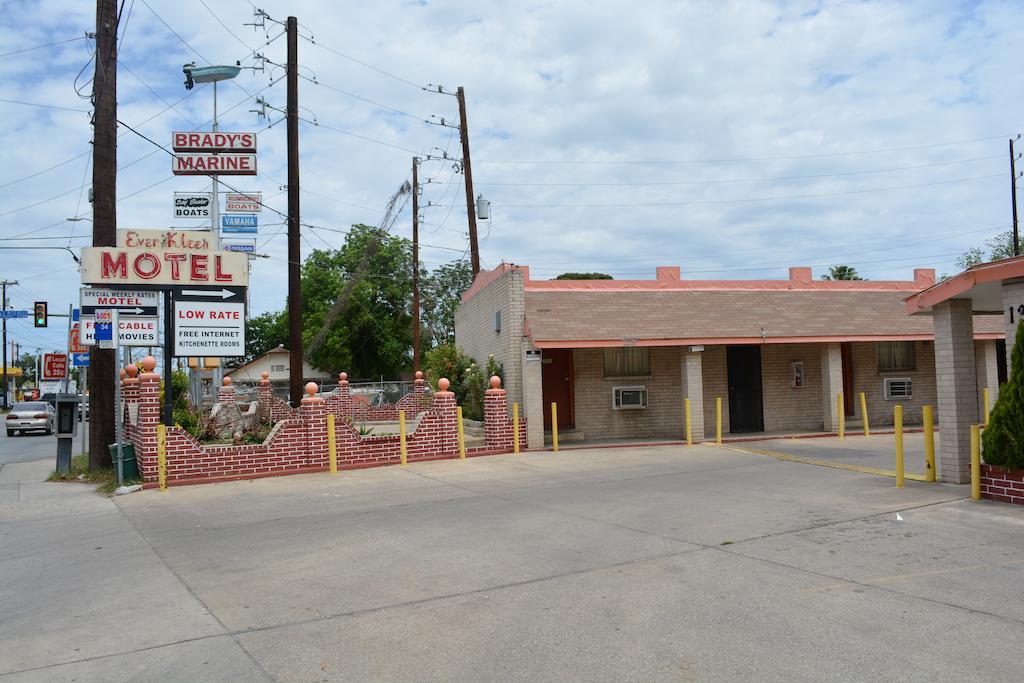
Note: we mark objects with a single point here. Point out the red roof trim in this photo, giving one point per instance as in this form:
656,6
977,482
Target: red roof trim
964,282
616,343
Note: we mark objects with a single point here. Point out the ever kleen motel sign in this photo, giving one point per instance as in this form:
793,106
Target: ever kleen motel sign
120,266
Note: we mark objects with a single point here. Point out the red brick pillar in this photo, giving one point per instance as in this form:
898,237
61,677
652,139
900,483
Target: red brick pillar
448,426
149,416
266,394
226,394
344,397
129,394
497,429
313,411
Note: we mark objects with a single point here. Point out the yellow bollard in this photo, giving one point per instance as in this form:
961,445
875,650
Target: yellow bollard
515,428
864,414
332,445
554,426
984,407
718,420
462,433
689,428
842,415
929,443
975,463
401,435
161,456
898,423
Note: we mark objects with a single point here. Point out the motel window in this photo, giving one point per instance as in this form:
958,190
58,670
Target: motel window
895,356
630,361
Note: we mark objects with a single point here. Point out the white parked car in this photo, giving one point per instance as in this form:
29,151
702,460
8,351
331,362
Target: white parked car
31,416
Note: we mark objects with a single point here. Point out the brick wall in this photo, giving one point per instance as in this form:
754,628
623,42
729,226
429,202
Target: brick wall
787,407
869,379
592,393
998,483
299,443
716,384
474,328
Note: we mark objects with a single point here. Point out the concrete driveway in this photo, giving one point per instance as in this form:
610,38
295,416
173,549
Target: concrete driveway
660,563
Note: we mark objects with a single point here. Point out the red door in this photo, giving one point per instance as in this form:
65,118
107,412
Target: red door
556,385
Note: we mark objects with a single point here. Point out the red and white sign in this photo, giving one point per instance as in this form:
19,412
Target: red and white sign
219,164
74,342
55,366
213,142
141,331
185,240
209,328
236,202
117,266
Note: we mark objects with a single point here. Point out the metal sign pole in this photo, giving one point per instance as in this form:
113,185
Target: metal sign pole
119,416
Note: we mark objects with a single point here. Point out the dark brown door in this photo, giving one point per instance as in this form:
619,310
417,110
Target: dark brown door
556,384
846,349
746,411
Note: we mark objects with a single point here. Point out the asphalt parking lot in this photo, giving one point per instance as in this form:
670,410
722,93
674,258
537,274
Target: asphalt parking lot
658,563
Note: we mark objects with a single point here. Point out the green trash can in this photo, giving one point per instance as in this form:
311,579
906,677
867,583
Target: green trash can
128,462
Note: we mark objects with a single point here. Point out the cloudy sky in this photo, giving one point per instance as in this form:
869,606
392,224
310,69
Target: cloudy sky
733,139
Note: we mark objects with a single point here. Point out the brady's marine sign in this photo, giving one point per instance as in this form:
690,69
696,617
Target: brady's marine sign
163,266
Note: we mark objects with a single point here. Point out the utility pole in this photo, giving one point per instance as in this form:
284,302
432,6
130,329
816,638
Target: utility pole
1013,200
467,170
104,220
3,285
415,264
294,246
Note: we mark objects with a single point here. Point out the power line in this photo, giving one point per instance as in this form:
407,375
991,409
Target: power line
45,106
364,64
361,137
40,47
748,199
176,35
361,98
737,159
749,180
225,26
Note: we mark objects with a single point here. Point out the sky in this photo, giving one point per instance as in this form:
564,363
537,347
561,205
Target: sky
732,139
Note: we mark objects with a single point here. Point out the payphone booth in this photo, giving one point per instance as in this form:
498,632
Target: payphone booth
67,428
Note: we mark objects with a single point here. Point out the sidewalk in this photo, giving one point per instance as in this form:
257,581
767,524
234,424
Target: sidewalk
83,592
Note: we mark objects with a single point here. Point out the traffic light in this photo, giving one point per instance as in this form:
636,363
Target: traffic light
40,317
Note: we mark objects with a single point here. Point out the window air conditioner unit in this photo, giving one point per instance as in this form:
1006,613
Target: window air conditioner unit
898,388
629,398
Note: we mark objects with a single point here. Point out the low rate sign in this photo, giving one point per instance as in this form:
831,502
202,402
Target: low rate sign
209,328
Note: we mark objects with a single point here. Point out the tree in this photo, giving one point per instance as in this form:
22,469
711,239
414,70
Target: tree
355,303
584,276
264,332
441,293
999,247
1003,438
841,273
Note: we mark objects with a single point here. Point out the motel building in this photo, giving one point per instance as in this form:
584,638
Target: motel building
619,357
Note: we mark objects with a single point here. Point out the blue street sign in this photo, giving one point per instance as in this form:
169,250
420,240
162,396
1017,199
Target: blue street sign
13,314
80,360
74,315
247,248
239,221
104,332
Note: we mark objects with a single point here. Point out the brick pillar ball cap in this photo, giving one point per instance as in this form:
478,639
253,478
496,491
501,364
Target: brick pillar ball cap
264,377
226,381
419,375
122,374
311,397
131,371
343,377
495,386
148,365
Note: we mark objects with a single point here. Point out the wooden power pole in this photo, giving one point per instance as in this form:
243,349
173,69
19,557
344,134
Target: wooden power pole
295,362
1013,200
102,362
467,169
415,264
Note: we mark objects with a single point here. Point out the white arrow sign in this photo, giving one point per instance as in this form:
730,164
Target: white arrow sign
223,294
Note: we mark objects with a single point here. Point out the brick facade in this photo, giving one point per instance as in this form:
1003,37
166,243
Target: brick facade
299,443
957,376
998,483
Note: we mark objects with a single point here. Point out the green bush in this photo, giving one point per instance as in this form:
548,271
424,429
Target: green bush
468,379
1003,439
